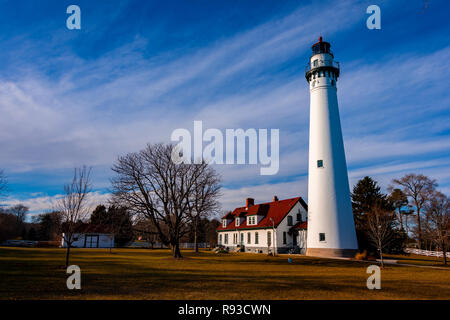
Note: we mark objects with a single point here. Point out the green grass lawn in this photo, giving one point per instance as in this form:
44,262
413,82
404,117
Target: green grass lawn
30,273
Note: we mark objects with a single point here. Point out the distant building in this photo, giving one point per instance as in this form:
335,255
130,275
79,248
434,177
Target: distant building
91,236
276,227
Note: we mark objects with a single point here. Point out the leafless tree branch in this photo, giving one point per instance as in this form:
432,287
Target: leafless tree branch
150,184
72,206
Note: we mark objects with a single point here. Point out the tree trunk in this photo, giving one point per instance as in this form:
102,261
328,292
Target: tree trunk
176,250
444,253
381,256
67,254
406,226
419,230
195,242
195,235
401,219
380,248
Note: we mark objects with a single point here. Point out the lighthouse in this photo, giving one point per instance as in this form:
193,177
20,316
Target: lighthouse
331,228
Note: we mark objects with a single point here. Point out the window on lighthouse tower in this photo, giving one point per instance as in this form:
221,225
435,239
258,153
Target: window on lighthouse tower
321,236
319,163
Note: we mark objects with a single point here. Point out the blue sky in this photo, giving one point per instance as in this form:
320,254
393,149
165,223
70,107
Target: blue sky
137,70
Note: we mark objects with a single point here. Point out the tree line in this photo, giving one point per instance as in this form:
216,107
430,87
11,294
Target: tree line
160,201
173,201
413,212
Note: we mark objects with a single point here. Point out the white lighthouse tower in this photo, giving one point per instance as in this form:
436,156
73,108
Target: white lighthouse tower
331,229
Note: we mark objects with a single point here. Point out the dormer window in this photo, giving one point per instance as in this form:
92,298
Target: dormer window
251,220
224,223
237,221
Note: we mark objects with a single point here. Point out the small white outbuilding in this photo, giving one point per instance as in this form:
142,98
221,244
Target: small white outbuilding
90,237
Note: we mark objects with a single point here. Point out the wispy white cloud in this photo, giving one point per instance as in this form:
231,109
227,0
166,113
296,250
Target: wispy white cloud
43,203
116,103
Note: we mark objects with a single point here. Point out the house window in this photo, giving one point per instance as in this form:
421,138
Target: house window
220,239
252,220
269,239
321,236
284,238
237,221
256,238
319,163
235,238
224,223
289,220
226,238
249,238
299,217
242,238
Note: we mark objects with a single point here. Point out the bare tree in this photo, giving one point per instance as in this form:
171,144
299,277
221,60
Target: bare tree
203,202
399,201
20,212
417,188
437,223
73,207
150,183
380,228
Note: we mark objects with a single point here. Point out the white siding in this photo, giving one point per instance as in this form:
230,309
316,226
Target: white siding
81,240
283,226
329,203
263,233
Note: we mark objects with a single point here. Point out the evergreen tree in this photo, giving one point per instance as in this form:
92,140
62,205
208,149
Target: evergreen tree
116,220
365,196
48,226
99,216
32,235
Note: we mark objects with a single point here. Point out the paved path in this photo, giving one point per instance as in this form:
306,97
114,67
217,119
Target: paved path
386,261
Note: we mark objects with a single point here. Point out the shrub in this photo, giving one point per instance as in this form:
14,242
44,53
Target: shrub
361,255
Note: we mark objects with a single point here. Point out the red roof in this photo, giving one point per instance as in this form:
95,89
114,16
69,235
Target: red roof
275,210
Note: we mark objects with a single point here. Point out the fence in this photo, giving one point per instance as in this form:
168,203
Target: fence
29,243
427,253
158,245
145,244
190,245
20,243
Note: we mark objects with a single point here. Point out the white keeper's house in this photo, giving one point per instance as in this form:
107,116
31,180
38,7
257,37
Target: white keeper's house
273,227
